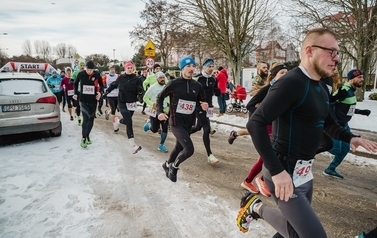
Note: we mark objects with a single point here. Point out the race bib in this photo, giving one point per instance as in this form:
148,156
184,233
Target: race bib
131,106
302,172
70,92
351,110
57,86
88,89
150,111
210,112
185,107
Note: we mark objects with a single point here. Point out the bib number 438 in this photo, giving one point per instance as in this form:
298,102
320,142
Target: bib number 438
185,107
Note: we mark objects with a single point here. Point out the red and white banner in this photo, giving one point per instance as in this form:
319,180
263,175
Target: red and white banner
21,66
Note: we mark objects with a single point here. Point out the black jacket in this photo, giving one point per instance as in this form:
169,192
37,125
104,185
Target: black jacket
129,86
184,89
89,86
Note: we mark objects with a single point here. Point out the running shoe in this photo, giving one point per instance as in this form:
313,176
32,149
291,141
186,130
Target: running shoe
332,173
232,137
71,118
63,109
142,112
116,124
83,143
135,149
363,235
162,148
107,115
166,168
250,187
263,189
212,159
79,121
212,132
100,111
147,126
246,213
88,141
172,173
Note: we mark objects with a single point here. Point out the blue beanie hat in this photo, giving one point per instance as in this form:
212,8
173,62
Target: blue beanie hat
208,62
353,74
186,60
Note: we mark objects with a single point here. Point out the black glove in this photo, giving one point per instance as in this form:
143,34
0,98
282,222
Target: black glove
365,112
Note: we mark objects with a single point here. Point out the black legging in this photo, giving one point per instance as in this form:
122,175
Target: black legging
127,119
88,114
58,96
203,122
156,124
77,105
183,148
64,99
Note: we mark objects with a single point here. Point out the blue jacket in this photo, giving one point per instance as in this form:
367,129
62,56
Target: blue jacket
54,84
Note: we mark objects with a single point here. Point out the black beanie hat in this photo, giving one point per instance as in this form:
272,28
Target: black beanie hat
90,65
156,66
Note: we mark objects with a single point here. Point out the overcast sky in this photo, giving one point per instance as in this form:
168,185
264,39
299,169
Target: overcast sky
92,26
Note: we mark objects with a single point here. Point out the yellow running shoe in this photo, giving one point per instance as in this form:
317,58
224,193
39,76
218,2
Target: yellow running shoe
246,213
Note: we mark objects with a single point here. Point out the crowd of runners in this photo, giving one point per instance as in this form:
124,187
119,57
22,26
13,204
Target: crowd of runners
281,117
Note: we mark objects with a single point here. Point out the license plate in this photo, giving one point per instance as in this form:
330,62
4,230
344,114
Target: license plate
16,108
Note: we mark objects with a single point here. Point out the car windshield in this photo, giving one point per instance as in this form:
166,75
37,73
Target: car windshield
21,87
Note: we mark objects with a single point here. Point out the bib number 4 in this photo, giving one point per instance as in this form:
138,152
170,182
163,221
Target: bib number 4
302,172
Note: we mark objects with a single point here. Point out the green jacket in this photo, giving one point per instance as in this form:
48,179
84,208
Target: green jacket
149,81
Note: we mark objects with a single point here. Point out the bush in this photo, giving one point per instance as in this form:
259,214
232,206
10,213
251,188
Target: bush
373,96
368,87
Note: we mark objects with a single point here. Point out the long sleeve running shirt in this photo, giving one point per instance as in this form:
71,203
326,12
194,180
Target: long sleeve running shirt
129,86
185,96
298,108
88,85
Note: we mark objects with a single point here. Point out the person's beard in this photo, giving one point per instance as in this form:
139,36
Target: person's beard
161,82
263,74
322,73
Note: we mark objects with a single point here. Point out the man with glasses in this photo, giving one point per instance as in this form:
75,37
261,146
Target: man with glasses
298,122
89,84
344,107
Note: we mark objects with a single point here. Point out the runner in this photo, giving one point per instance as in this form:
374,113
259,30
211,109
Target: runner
89,83
151,79
185,96
209,85
298,123
64,98
344,107
53,83
153,123
77,99
68,84
130,87
112,97
277,71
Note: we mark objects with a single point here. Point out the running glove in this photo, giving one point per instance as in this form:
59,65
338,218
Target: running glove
365,112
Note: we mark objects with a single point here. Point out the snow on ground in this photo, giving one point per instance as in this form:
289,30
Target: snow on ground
54,188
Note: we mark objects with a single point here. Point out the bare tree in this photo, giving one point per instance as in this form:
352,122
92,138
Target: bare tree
98,59
46,50
26,48
233,26
61,50
354,21
38,48
160,18
71,51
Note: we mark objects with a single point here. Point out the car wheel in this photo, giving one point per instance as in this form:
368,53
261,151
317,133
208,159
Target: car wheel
56,131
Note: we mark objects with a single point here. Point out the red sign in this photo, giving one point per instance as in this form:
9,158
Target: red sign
149,62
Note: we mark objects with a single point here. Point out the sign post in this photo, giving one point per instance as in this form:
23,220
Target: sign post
149,53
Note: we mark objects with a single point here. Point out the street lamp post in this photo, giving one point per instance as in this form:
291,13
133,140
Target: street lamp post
114,55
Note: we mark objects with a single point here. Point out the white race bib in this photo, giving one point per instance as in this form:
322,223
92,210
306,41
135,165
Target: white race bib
57,86
151,112
210,112
131,106
71,92
185,107
351,110
303,172
88,89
